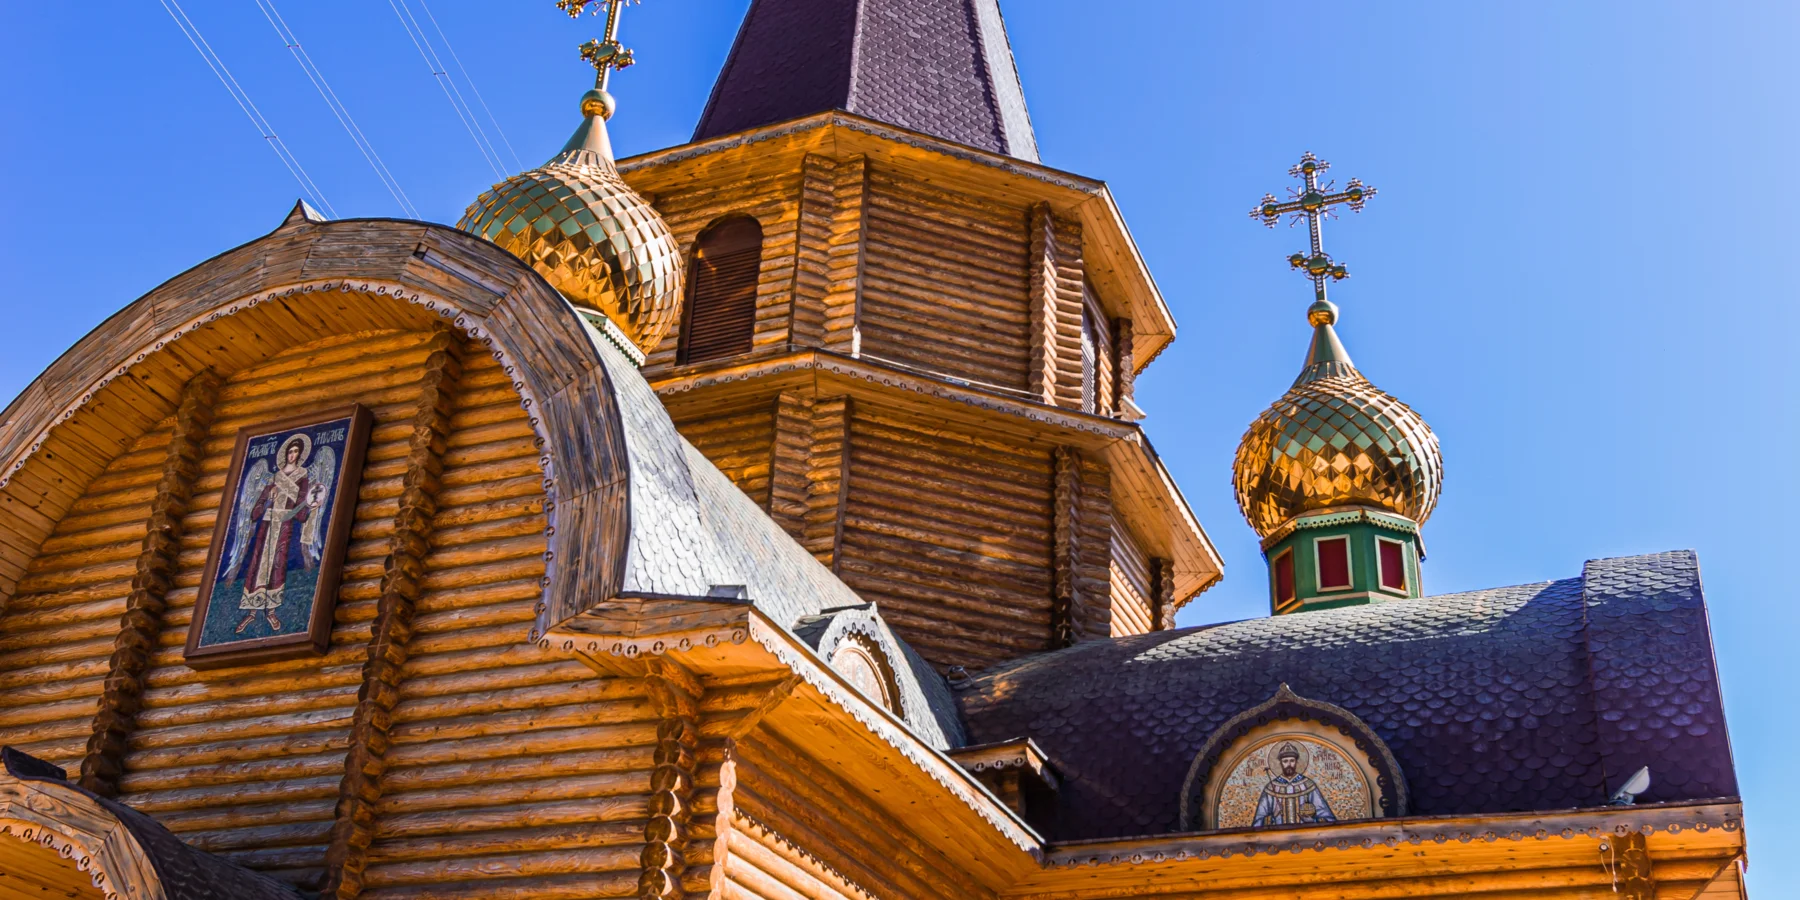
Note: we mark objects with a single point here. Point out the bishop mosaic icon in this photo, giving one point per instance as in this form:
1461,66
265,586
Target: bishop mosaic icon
1289,797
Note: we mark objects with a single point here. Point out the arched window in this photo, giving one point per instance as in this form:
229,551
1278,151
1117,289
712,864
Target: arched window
721,303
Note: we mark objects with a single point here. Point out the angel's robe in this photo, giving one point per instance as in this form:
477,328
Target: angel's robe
276,517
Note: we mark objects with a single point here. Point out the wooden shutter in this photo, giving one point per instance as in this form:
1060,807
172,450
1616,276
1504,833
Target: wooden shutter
721,307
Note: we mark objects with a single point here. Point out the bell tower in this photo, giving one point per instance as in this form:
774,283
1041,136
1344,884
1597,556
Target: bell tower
1337,476
913,344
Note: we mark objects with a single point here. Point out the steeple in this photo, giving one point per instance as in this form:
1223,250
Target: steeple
1337,475
942,67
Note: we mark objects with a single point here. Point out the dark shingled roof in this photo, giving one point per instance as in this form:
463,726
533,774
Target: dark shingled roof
1537,697
185,873
942,67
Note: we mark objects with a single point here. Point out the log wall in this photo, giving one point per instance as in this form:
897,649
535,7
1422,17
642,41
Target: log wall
944,283
503,770
57,633
800,830
950,533
739,443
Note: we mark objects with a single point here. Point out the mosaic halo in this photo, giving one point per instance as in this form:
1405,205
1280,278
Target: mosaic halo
1336,440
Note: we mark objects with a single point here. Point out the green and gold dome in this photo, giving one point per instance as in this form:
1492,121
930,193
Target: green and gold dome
1334,440
576,222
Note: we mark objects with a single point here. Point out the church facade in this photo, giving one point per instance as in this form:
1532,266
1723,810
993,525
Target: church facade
771,517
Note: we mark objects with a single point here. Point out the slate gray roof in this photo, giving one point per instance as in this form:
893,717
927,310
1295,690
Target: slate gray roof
185,873
943,67
692,529
1537,697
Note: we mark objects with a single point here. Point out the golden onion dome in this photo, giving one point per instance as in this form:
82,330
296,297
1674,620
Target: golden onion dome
576,222
1335,440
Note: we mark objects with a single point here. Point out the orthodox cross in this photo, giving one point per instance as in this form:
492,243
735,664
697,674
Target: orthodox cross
606,55
1313,202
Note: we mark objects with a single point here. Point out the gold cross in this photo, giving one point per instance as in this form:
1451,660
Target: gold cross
606,54
1313,202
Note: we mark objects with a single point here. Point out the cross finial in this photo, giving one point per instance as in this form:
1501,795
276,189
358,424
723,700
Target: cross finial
606,54
1313,202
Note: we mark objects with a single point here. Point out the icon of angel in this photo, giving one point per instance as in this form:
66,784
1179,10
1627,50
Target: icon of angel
277,523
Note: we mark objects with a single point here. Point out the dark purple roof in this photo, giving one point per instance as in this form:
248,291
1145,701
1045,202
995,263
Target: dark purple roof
1538,697
942,67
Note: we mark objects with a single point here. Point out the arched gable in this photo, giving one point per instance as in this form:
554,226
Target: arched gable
1246,749
314,278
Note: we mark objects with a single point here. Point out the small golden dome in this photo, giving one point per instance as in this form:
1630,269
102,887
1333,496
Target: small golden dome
576,222
1335,440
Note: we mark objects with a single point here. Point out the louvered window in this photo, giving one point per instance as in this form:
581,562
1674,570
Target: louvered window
721,302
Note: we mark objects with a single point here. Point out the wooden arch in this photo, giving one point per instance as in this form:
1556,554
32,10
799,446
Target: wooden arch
312,278
1389,781
88,851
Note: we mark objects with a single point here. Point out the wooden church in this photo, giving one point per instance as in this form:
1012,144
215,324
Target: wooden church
770,517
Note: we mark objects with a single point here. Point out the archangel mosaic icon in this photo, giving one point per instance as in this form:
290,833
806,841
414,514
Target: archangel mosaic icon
272,570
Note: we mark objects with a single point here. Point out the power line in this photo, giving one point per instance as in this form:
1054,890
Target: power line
283,31
192,32
422,42
472,88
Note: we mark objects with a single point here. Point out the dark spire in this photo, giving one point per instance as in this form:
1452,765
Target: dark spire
942,67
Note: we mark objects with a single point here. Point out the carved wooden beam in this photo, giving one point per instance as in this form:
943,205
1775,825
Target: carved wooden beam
809,471
1093,551
675,692
1054,302
1162,593
122,696
1065,600
789,455
1040,376
812,251
1627,857
844,257
1123,379
402,579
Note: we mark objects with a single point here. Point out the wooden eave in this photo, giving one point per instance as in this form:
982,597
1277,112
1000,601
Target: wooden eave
1689,844
1143,490
1112,258
815,708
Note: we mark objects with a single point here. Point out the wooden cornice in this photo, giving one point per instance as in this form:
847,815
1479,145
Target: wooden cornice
1693,841
1115,264
1143,489
730,639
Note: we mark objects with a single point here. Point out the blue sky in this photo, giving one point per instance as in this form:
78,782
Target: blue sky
1574,268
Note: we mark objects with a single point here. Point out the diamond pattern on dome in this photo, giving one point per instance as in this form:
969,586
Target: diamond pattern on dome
1333,441
594,239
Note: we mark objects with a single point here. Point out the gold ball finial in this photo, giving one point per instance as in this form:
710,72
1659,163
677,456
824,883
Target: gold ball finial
1322,312
597,102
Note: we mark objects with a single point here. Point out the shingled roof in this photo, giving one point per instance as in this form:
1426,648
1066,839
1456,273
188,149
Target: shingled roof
942,67
1538,697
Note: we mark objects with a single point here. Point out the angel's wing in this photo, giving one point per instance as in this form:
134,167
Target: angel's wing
322,474
255,479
